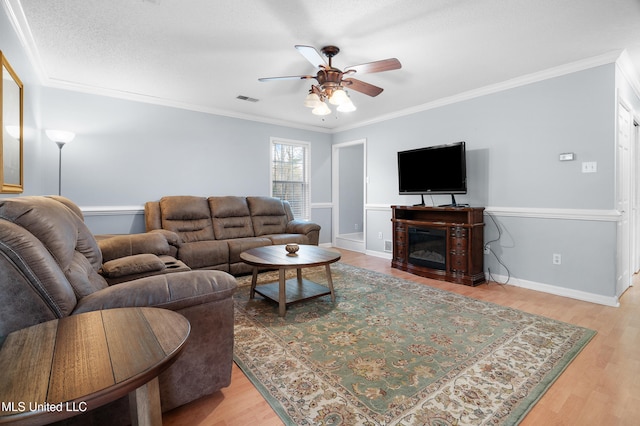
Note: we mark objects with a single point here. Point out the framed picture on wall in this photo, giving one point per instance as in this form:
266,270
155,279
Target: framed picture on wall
11,137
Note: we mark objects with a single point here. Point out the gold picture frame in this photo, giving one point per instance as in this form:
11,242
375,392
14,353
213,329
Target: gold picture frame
11,136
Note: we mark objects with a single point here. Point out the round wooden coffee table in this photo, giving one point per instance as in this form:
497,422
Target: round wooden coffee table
285,292
58,369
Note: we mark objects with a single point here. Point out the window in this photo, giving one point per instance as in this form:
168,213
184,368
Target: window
290,175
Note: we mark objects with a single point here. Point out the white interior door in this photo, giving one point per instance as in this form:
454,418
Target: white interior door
623,196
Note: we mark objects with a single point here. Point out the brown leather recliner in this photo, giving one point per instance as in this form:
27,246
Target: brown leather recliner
50,266
210,233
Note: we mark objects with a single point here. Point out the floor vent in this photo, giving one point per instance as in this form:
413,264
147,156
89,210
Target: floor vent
387,246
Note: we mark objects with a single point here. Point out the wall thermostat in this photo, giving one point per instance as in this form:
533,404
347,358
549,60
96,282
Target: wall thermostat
567,156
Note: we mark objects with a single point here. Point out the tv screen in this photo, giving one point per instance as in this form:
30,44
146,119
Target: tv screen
440,169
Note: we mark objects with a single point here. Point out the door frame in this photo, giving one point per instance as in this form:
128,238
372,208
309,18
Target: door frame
624,189
335,192
635,195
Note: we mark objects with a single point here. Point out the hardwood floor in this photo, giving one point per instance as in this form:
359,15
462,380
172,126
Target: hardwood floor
600,387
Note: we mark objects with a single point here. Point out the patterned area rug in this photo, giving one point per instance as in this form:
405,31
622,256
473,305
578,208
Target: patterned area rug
395,352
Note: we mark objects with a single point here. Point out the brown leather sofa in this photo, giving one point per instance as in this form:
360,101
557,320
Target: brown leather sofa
210,233
50,267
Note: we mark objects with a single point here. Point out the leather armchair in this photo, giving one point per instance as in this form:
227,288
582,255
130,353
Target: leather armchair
50,267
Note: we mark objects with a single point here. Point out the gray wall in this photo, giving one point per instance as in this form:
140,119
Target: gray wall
133,152
513,140
126,153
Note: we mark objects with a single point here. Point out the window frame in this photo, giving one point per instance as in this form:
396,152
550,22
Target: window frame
306,182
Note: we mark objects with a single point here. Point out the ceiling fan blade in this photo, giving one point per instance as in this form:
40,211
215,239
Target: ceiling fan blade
361,86
289,77
376,66
312,55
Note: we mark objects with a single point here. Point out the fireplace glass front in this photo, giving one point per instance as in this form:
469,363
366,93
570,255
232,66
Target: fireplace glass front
428,247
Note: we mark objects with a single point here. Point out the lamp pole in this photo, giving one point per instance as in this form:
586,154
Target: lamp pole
60,137
60,146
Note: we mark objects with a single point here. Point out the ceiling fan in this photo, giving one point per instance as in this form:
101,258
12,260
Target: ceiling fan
332,81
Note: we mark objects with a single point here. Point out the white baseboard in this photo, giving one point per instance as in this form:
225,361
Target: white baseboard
532,285
383,255
348,244
559,291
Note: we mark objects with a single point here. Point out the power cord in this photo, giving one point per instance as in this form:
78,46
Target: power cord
487,246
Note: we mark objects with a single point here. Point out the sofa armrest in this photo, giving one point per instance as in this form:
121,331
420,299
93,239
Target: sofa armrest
170,291
129,245
301,227
172,238
309,229
131,265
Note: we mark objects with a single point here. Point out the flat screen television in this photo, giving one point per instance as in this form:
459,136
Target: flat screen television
440,169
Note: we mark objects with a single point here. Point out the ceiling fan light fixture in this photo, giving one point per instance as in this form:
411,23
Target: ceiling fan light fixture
321,109
331,82
338,97
312,100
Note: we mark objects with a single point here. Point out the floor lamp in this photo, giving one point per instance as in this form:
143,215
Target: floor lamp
60,137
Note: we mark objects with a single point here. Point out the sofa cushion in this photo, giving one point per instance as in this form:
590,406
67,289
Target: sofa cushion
187,216
278,239
83,278
238,245
268,215
231,217
205,254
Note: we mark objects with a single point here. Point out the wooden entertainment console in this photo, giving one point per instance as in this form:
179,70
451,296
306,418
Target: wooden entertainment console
444,243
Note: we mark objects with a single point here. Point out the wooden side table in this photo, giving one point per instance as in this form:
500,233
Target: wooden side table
61,368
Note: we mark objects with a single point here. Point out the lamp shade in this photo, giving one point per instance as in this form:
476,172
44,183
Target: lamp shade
60,135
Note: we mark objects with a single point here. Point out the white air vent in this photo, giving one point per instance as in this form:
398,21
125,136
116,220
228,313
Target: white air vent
246,98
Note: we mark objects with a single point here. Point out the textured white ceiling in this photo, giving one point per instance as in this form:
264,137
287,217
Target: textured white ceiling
202,54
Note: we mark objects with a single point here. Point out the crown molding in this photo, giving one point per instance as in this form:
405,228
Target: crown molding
18,20
559,71
625,65
138,97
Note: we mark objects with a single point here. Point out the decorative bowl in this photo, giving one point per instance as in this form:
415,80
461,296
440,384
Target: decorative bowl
292,249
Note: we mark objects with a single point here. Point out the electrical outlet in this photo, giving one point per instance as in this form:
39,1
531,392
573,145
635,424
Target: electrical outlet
557,259
590,167
380,235
487,249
